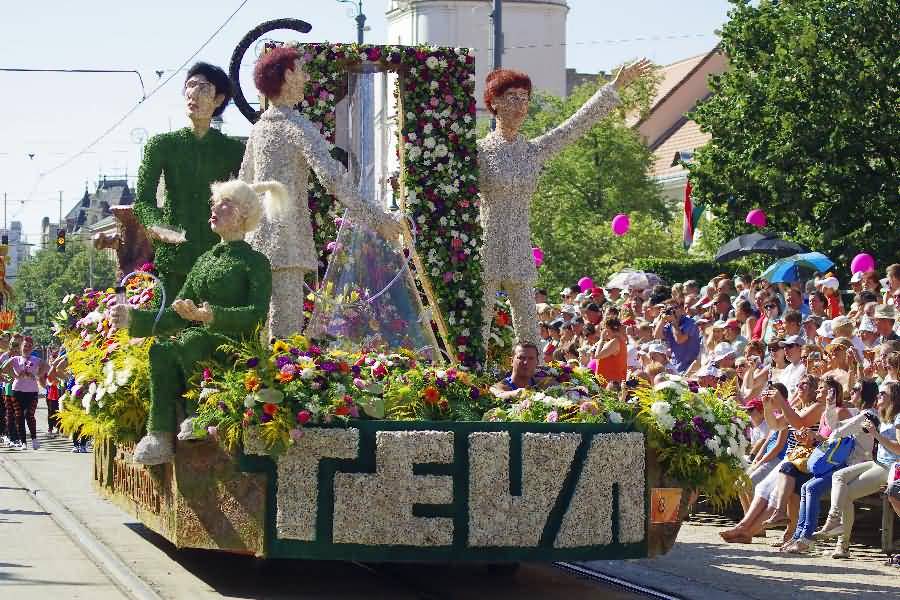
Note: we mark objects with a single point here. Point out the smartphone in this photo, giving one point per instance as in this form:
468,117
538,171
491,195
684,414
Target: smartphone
874,420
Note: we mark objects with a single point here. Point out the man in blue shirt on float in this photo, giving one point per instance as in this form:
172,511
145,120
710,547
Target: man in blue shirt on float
680,333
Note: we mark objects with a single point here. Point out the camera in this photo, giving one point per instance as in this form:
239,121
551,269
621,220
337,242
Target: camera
873,419
631,383
669,311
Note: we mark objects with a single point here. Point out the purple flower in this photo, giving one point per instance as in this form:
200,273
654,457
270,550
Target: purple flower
222,406
356,369
328,366
553,416
295,351
264,418
282,360
474,393
252,362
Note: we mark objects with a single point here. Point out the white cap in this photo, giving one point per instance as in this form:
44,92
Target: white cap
867,324
657,347
829,282
825,330
709,371
857,277
723,350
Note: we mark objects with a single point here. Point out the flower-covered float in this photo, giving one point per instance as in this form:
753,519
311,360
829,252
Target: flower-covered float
308,448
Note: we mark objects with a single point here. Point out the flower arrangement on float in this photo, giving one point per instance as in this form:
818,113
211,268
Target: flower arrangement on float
107,395
439,164
699,436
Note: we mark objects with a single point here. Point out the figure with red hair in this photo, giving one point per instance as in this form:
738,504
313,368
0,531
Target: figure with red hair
509,168
283,146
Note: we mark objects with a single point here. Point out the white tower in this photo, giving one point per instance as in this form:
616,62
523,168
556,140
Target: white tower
534,32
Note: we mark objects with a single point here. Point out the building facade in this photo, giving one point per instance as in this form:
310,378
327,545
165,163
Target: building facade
19,250
534,35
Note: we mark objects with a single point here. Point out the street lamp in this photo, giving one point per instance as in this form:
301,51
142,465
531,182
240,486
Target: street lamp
360,18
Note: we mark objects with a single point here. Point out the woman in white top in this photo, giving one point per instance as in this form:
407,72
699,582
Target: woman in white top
867,477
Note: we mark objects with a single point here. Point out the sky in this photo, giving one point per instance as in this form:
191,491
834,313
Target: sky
47,119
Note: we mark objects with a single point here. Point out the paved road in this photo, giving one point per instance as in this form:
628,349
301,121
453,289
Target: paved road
38,560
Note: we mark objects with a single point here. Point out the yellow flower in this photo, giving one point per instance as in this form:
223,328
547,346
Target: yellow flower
251,381
280,347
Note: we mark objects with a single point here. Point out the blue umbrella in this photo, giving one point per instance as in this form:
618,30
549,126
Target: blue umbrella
787,270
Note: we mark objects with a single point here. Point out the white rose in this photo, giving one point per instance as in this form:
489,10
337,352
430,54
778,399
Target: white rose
432,62
615,417
430,142
441,150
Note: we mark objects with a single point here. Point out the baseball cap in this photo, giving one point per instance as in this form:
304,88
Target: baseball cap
885,311
825,330
752,404
867,324
857,277
657,347
792,340
724,350
720,324
733,324
709,371
829,282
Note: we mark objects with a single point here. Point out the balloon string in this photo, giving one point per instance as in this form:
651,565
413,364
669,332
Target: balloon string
384,290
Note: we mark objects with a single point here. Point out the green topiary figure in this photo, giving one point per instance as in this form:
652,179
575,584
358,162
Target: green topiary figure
189,160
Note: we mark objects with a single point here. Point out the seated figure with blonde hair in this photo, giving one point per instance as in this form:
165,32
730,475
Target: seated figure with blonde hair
225,297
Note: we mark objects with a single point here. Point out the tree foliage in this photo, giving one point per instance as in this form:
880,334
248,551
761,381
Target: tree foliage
806,124
604,173
49,276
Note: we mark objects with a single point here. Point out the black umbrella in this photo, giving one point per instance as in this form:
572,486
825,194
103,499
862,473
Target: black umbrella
757,243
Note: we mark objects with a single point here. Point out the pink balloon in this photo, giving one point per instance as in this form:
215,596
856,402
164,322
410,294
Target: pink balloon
756,217
621,224
585,283
862,262
538,255
592,364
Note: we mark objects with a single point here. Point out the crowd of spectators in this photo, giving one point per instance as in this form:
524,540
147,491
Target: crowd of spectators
812,366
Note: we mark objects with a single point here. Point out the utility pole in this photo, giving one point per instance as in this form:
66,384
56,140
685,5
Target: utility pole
497,16
4,211
59,223
360,24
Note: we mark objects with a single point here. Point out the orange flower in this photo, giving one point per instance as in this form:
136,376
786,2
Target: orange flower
342,411
431,395
251,381
502,319
283,377
343,367
270,409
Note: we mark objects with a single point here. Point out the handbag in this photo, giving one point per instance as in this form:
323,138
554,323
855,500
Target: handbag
893,481
830,455
798,457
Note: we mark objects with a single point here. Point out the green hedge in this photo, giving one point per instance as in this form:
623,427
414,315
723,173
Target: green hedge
675,270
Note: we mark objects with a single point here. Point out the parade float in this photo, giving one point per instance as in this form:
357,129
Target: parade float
355,442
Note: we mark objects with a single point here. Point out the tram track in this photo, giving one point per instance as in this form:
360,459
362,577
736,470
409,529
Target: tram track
634,588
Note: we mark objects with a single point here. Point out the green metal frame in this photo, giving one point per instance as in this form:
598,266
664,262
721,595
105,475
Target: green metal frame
324,549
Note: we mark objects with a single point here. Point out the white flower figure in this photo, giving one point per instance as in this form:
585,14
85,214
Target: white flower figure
615,417
432,62
660,408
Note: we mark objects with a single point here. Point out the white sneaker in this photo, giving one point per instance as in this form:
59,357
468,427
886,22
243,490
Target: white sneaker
35,444
155,448
21,446
187,430
76,449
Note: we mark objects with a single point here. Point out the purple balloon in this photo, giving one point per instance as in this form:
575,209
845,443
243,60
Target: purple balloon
538,255
592,364
585,283
862,262
756,217
621,224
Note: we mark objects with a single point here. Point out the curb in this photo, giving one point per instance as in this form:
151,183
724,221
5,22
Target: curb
111,565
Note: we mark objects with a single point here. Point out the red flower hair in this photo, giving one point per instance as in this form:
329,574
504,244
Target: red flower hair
268,74
500,80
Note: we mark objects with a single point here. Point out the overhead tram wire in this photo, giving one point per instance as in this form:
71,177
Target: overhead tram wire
131,111
24,70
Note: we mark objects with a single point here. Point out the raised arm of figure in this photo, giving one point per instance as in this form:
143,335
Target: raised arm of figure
591,112
337,182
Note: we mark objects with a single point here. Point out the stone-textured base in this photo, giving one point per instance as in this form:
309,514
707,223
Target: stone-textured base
201,500
382,490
